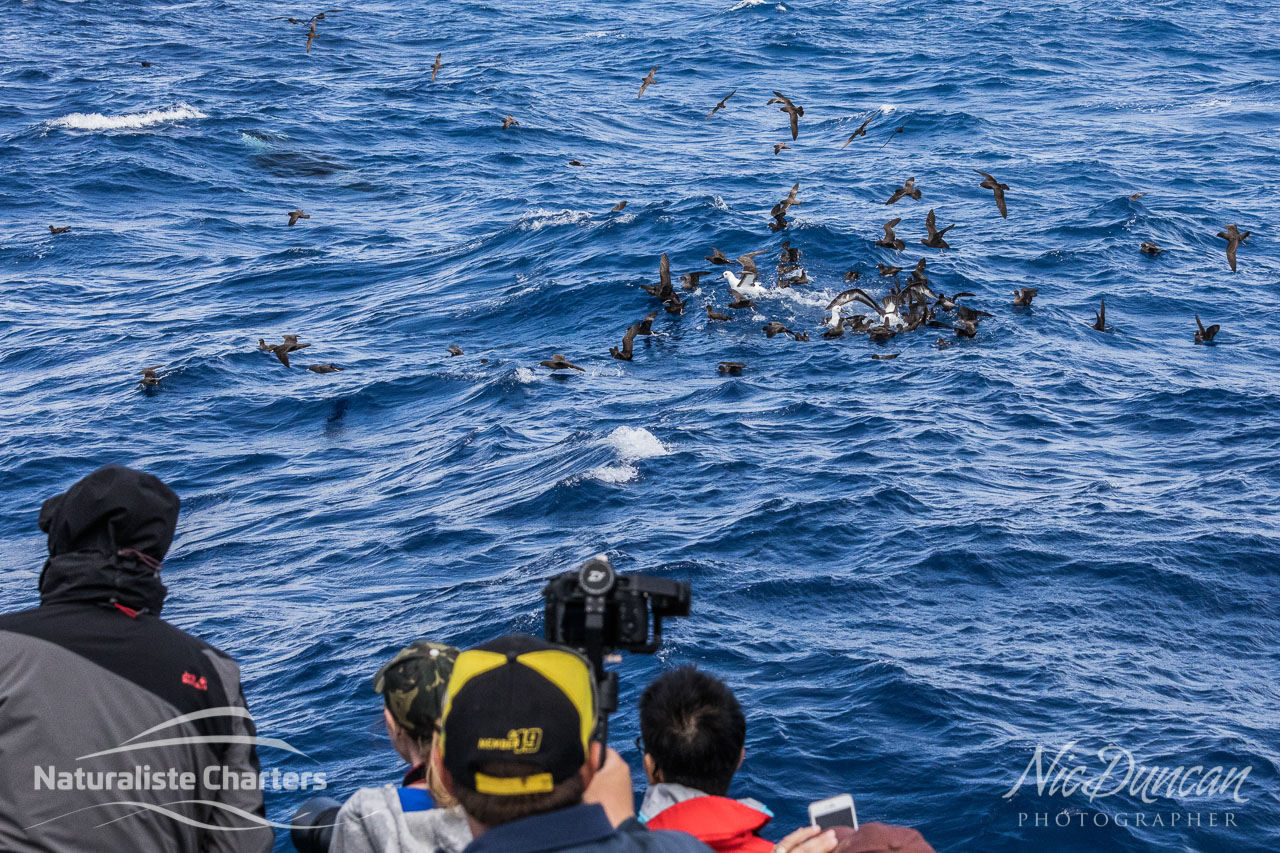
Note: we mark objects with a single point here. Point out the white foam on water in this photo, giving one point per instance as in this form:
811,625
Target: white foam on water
525,375
536,220
885,109
127,121
631,444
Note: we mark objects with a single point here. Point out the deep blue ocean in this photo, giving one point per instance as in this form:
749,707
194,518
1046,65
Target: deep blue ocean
914,572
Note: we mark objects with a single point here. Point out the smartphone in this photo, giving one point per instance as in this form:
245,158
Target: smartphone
835,811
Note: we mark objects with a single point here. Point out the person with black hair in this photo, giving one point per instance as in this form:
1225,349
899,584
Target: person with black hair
693,733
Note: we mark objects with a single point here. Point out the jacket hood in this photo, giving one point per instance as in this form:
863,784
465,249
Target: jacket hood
107,536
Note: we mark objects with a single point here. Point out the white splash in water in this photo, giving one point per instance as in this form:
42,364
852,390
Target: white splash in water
536,220
631,444
127,121
525,375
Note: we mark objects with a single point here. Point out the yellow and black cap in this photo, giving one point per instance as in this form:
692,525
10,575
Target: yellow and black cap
522,702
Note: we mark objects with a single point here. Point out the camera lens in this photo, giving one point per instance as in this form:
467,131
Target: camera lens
597,577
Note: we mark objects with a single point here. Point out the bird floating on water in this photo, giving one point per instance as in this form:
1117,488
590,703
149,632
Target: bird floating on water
1149,248
150,379
54,229
1203,335
325,368
1100,317
733,368
1022,296
455,350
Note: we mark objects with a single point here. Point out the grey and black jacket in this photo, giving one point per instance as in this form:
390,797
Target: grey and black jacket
118,731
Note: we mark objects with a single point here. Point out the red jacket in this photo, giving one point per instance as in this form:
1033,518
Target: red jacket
724,825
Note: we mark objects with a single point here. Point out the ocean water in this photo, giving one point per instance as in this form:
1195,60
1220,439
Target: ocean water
914,572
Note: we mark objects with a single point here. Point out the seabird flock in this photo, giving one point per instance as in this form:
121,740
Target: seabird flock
904,308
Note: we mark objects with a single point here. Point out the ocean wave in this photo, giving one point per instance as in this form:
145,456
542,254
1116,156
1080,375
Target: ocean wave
127,121
631,444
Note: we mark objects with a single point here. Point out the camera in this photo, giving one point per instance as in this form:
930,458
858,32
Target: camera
598,612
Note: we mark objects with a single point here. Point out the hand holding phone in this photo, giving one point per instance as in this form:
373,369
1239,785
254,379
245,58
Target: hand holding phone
834,811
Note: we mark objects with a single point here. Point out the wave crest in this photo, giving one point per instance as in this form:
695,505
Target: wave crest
127,121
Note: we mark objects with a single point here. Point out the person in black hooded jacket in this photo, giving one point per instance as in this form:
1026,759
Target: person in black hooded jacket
118,731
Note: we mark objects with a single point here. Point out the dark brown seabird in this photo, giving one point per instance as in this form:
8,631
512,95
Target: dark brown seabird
793,112
988,182
1234,238
644,84
733,368
861,131
908,188
1150,248
559,362
325,368
934,240
295,215
720,105
1100,317
455,350
1203,335
436,66
1022,296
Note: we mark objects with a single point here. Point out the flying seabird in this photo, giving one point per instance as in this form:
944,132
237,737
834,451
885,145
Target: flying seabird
716,315
887,270
775,328
645,326
720,106
628,341
793,112
891,240
510,121
934,240
778,147
1136,196
54,229
617,207
282,350
1100,317
663,289
1150,248
1234,238
988,182
1203,335
900,129
436,66
689,280
295,215
559,362
733,368
644,84
861,131
908,188
150,380
454,350
325,368
1023,295
739,300
917,274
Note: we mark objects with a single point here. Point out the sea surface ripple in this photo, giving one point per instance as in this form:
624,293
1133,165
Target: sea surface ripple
914,572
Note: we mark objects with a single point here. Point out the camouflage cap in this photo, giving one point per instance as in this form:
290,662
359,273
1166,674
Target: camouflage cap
413,685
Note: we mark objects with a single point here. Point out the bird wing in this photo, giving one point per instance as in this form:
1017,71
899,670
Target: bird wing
795,123
1004,211
747,262
855,294
931,222
1231,253
664,272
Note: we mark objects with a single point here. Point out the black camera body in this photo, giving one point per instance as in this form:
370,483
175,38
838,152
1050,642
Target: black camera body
598,611
620,605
